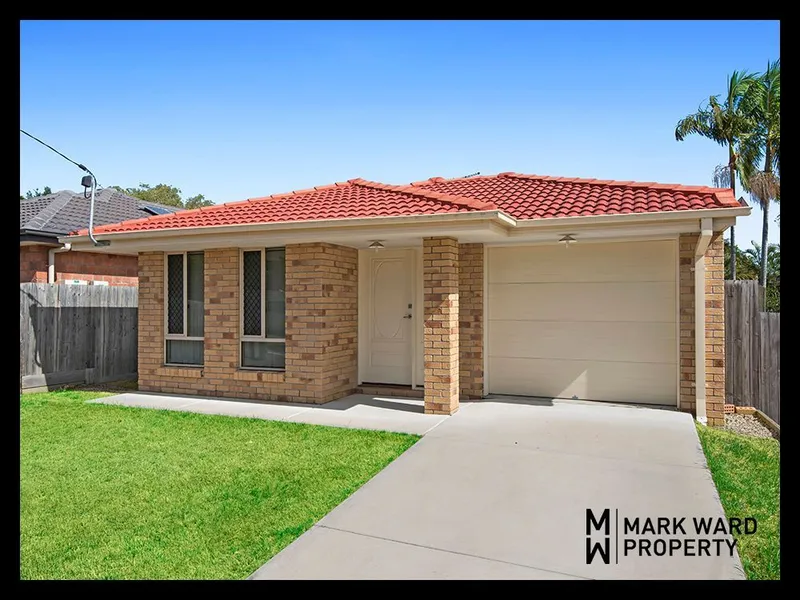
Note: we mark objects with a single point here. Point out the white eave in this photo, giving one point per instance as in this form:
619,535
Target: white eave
492,226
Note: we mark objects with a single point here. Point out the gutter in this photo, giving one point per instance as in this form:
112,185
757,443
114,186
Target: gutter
499,216
51,261
706,231
672,215
483,215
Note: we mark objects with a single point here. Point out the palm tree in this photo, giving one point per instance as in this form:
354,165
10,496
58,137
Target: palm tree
763,103
746,266
772,267
727,124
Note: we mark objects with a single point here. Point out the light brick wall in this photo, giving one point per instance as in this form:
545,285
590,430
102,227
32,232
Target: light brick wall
321,329
440,287
151,320
116,269
715,331
321,321
470,319
715,327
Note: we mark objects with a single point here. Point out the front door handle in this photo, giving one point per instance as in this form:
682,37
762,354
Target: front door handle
407,317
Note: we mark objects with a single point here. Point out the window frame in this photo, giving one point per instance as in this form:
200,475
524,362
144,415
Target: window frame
180,336
261,337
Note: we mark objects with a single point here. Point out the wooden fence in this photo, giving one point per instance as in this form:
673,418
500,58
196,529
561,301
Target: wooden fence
752,349
76,333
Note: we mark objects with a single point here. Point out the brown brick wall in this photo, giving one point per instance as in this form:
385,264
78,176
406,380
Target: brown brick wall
321,329
33,263
440,286
116,269
470,319
715,327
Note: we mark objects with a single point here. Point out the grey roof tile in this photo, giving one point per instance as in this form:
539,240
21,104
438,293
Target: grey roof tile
67,211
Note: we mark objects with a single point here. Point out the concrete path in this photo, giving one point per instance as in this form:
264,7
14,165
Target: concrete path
500,491
358,411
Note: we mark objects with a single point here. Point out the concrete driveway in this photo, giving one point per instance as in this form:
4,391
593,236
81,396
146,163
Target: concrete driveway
501,490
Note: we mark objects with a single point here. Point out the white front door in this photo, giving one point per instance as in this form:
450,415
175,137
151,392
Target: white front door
390,317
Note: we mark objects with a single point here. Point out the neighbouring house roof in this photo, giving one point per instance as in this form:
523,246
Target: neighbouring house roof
65,211
523,197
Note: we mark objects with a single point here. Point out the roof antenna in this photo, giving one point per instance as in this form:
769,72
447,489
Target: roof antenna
471,174
87,181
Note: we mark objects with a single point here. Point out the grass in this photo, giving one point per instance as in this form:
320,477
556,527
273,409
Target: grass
113,492
746,471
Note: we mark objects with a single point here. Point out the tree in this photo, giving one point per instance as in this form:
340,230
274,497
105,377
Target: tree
763,104
165,194
161,194
35,193
749,262
747,269
772,267
725,123
197,202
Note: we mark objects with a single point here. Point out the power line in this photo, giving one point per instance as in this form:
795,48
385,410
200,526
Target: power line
61,154
92,184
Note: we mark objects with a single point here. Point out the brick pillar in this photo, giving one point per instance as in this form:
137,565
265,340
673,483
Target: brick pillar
221,318
714,330
470,319
151,319
321,321
440,286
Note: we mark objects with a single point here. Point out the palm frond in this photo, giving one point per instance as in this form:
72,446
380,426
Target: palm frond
764,187
722,176
700,123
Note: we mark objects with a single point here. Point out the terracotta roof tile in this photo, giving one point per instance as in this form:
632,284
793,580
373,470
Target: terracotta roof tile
520,196
538,196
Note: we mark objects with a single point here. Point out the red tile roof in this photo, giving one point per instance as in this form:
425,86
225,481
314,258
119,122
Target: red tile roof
520,196
542,197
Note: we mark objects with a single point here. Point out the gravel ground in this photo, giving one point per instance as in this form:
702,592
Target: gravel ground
746,425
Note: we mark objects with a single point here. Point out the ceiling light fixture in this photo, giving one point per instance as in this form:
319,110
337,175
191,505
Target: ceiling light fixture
376,245
567,240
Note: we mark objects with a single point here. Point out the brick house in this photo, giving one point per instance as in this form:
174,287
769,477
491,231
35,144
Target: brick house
458,288
42,220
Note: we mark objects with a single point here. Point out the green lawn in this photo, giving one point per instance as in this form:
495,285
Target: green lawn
124,493
746,471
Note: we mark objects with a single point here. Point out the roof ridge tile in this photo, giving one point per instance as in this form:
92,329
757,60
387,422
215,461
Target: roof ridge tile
425,193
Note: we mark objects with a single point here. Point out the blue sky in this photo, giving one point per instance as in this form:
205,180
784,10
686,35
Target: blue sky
236,109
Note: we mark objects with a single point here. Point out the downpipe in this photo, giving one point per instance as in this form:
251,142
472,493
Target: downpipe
51,261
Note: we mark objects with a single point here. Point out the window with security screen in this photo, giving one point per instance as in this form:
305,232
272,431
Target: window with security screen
184,309
264,308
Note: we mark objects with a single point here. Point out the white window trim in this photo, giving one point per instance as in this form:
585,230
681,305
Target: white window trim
179,336
256,338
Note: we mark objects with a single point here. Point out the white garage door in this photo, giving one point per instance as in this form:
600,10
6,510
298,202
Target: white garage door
592,321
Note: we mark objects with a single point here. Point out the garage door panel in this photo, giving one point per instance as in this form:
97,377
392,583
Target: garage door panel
642,261
608,341
592,321
648,383
601,301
